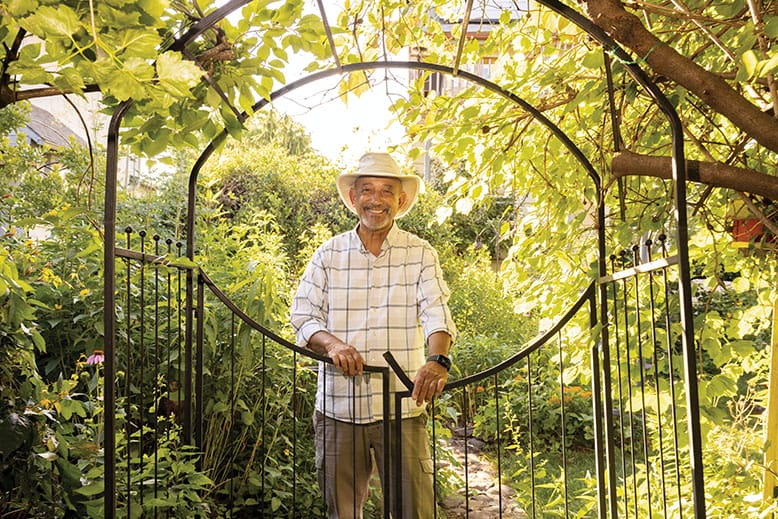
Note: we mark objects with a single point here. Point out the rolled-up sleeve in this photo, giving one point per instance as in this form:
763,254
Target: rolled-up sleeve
309,306
433,295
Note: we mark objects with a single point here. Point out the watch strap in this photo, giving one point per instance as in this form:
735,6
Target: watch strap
440,359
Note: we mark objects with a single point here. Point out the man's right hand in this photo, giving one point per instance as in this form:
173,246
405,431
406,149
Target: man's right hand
346,358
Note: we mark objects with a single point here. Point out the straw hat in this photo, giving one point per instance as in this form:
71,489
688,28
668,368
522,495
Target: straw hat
379,165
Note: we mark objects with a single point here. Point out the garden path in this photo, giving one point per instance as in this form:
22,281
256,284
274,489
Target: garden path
484,502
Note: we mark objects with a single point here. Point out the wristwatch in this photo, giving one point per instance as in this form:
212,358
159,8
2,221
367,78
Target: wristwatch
440,359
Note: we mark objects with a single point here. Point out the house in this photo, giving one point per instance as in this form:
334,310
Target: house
484,16
56,124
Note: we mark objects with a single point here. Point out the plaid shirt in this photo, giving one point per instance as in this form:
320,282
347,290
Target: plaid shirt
391,302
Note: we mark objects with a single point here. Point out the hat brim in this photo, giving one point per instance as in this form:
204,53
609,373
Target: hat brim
411,184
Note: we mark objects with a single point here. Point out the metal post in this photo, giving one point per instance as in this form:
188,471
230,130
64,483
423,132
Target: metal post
109,309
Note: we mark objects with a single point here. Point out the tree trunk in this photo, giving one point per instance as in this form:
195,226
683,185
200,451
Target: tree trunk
627,29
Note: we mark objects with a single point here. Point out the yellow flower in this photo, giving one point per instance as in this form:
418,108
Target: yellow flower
84,292
48,276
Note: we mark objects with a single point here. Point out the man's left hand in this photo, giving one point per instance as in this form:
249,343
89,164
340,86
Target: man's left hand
429,382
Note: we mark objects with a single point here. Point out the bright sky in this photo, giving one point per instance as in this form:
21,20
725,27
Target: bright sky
340,131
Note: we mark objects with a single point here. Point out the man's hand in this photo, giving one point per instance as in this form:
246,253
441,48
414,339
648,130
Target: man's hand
429,382
346,357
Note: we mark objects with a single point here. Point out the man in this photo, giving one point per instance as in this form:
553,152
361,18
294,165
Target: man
367,291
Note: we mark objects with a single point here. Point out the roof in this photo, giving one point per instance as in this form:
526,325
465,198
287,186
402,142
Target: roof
44,128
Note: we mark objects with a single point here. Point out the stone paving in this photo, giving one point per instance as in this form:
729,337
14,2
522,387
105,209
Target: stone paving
484,501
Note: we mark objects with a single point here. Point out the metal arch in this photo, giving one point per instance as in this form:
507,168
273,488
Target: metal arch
207,22
360,66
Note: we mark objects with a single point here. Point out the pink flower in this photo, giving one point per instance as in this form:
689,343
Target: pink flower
97,357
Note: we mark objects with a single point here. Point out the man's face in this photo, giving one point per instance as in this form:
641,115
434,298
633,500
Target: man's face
377,200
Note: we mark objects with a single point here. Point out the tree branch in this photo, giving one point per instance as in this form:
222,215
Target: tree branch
9,96
714,174
627,29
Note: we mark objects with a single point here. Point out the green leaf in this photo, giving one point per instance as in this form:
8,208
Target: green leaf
29,74
155,8
38,341
741,284
180,261
29,53
126,83
19,8
91,489
505,228
593,59
50,21
12,436
200,480
138,69
69,78
769,66
176,75
750,62
721,385
729,9
142,43
116,17
742,347
771,26
157,502
70,474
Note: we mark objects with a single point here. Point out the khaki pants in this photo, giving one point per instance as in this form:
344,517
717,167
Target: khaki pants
345,463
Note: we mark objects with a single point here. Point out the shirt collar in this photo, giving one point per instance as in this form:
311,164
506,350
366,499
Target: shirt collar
390,240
